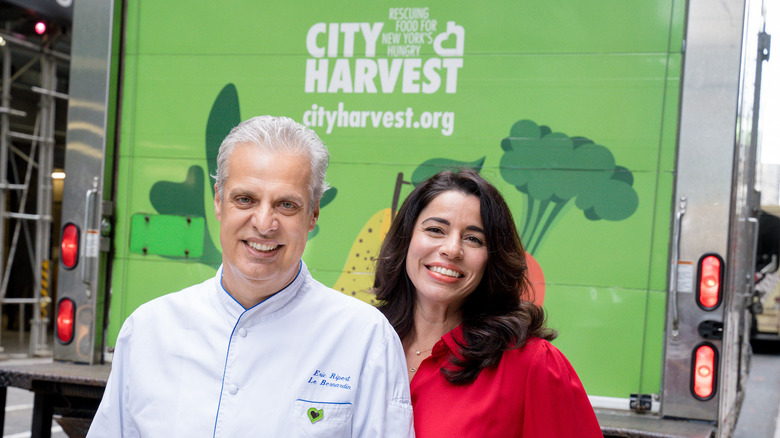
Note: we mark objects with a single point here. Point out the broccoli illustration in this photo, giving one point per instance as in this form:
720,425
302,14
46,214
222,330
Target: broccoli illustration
553,168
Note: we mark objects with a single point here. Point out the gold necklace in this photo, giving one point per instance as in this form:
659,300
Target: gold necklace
419,352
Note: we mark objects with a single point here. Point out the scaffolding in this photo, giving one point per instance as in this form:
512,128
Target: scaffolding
33,146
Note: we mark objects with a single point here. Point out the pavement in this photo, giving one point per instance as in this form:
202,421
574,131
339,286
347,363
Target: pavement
18,416
760,413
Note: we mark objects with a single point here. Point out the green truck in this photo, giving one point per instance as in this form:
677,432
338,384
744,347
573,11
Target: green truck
622,134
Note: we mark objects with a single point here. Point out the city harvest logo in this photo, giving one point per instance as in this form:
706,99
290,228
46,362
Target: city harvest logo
392,55
411,53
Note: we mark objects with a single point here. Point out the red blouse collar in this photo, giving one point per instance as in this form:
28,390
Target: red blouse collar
450,343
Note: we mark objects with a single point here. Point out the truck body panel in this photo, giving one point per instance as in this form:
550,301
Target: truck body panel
564,67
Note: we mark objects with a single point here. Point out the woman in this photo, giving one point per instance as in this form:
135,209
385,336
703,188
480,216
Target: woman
477,351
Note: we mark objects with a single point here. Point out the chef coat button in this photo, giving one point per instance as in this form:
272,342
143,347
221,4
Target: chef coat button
232,389
242,332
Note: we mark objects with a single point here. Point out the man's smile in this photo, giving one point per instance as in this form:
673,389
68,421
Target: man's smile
261,246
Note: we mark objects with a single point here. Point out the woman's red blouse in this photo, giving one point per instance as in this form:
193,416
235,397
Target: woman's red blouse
533,392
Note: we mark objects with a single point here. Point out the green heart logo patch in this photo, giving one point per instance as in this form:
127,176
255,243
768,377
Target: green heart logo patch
315,415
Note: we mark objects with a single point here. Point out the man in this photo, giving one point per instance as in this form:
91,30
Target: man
262,349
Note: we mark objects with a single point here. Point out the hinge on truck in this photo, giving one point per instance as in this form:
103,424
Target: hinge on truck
107,211
764,43
641,402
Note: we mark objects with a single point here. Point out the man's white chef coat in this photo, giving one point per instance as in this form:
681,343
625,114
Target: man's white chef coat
307,361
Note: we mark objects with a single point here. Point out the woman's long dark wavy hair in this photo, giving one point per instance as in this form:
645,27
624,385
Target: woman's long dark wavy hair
498,314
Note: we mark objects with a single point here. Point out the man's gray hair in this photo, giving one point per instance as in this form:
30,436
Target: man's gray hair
278,134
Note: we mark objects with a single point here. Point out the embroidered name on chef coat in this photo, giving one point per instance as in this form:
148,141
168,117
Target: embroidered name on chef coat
333,380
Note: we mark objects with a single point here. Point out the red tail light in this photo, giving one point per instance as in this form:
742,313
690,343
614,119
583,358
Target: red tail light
69,246
66,313
40,27
710,282
705,363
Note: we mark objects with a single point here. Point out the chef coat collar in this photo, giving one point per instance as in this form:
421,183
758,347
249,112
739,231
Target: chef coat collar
270,304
